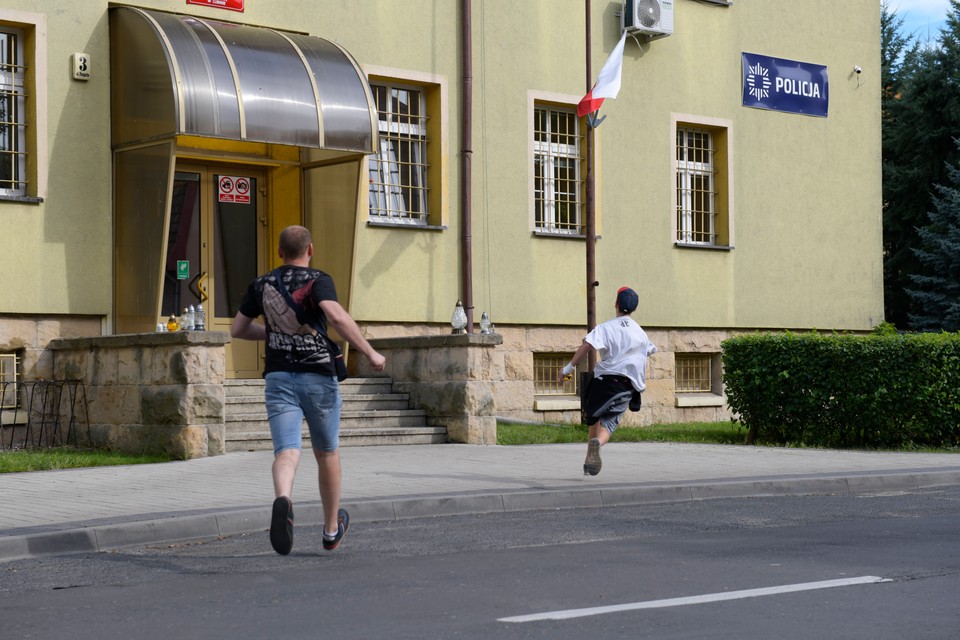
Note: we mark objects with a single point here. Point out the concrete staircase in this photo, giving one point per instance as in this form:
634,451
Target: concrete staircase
372,415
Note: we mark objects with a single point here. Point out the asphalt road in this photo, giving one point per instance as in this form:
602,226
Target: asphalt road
878,567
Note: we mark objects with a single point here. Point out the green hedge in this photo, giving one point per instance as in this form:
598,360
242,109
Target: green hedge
881,390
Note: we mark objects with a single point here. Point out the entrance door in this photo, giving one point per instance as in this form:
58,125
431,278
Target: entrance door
215,247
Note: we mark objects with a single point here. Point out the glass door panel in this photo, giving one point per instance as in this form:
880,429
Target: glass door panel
215,247
235,252
183,245
237,257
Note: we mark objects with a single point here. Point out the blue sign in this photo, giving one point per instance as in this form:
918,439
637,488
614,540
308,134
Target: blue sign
785,85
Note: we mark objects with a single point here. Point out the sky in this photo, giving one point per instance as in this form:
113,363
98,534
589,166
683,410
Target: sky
921,17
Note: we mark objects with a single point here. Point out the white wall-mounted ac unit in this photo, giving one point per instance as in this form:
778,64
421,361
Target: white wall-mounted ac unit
648,17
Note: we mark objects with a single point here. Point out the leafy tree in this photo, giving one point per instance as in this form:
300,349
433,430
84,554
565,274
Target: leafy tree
936,291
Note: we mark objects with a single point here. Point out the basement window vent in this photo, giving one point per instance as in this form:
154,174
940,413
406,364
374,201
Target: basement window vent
9,377
694,373
697,380
546,375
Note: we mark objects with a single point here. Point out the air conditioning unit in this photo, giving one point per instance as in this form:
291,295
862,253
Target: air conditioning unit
648,17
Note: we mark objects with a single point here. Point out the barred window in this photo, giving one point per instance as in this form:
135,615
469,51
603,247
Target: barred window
546,375
398,173
13,160
693,373
556,158
703,198
696,192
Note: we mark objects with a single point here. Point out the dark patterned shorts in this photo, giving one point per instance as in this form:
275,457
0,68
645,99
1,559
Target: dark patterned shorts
608,398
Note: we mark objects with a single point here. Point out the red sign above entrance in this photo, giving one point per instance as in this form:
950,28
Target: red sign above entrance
232,5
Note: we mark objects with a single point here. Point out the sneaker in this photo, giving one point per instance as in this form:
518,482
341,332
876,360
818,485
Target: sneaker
593,463
281,526
343,523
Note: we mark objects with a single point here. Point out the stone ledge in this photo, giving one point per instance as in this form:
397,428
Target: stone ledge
709,400
208,338
451,340
557,404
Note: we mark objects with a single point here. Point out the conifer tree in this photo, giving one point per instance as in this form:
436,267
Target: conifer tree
921,115
935,289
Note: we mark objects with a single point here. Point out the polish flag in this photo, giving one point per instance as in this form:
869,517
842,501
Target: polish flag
608,82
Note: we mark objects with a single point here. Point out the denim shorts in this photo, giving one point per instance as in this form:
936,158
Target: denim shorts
291,397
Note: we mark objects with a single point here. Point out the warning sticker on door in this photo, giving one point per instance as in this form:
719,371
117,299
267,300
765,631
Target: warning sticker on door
233,189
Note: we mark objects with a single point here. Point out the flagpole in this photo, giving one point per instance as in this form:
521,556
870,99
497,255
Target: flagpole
590,230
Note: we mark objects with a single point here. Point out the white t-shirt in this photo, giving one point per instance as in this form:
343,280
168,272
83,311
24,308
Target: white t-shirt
623,347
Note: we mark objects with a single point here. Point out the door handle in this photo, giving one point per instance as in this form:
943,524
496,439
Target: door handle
198,286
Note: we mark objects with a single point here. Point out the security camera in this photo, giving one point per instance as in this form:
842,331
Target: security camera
857,70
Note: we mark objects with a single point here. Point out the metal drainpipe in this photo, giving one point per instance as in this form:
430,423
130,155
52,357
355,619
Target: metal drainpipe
467,158
590,231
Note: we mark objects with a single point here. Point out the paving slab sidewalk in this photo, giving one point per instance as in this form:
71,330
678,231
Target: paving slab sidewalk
103,508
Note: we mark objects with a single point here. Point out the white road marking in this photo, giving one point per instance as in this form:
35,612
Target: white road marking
709,597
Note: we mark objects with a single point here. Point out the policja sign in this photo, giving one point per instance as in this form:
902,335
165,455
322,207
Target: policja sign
785,85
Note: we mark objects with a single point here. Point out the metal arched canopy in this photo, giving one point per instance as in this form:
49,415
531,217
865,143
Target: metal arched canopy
176,74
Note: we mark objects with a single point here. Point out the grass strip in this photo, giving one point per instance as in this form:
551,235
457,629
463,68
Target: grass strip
51,459
510,433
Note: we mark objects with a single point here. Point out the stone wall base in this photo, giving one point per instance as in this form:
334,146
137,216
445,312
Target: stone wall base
179,442
155,393
28,337
505,371
449,377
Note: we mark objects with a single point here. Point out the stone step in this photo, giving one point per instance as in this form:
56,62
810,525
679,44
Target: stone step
254,386
385,419
357,436
354,401
372,414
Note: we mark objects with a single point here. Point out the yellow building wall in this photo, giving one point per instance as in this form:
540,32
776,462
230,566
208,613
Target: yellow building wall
56,255
807,191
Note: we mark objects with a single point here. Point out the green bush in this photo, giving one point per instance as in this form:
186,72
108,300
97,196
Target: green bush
882,390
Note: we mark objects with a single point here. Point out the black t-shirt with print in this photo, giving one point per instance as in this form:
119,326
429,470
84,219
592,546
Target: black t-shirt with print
291,345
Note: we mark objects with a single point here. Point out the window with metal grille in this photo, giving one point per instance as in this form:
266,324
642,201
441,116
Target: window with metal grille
13,157
693,373
398,173
546,375
9,393
696,190
556,170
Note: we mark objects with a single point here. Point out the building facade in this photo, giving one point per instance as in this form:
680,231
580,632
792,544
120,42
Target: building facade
153,151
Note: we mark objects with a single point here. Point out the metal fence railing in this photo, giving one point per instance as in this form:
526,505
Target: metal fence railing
45,414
